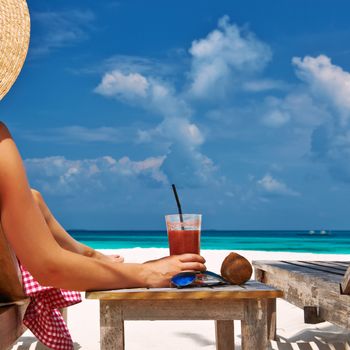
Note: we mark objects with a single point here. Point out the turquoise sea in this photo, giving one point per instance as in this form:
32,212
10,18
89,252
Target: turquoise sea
325,242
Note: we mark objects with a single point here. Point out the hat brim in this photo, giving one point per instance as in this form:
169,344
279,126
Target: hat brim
14,41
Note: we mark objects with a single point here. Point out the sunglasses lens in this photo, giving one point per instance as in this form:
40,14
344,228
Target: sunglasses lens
183,279
197,279
208,278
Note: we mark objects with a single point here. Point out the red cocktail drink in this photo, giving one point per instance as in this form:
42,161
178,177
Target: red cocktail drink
184,241
184,233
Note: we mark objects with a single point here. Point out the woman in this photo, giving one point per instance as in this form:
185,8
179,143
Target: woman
40,243
52,256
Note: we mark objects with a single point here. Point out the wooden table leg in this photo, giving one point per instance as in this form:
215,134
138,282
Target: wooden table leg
224,334
111,326
271,319
254,325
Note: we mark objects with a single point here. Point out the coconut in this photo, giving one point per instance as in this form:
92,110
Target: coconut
236,269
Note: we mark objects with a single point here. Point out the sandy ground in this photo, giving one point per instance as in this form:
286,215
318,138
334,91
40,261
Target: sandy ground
83,319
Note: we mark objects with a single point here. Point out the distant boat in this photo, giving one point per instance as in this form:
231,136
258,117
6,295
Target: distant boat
315,233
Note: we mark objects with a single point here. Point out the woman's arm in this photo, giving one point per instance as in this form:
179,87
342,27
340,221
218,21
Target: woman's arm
30,237
63,238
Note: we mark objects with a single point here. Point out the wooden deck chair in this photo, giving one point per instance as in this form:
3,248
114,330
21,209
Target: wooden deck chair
13,301
321,288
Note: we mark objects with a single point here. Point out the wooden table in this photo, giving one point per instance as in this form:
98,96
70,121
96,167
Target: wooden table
253,303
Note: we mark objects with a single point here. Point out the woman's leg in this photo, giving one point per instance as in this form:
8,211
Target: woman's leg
63,238
26,230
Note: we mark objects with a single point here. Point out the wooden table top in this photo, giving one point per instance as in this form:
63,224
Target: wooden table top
250,290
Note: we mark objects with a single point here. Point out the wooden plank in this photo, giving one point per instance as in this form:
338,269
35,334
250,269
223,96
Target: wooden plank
293,267
271,319
314,269
181,309
328,265
11,326
345,283
314,281
250,290
254,327
319,267
342,263
254,285
304,287
224,335
111,326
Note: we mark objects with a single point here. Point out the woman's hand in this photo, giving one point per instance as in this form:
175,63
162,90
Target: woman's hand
162,270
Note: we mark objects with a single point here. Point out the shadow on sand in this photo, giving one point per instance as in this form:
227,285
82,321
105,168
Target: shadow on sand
31,343
325,338
197,338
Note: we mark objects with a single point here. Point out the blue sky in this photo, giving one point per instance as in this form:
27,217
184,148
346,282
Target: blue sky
245,105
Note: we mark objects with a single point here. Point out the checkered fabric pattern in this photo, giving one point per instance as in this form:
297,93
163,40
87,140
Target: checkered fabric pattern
43,317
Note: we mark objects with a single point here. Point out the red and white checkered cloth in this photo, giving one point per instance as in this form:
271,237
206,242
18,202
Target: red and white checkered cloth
43,317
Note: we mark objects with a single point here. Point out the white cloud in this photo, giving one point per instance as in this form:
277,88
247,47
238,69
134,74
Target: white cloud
147,66
148,92
276,118
143,65
224,53
259,85
226,57
304,110
329,85
77,133
189,167
61,176
327,81
297,107
272,186
184,164
59,29
123,86
178,130
177,137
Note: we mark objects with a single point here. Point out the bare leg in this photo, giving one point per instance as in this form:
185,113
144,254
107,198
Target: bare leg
63,238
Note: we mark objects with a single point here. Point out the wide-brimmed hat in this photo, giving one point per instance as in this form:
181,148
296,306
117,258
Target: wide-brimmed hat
14,41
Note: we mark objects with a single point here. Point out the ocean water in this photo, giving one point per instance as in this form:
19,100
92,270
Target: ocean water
325,242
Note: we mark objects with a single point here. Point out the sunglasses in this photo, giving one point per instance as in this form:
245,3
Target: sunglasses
197,279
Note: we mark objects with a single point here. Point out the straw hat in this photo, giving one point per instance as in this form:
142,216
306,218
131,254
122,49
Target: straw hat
14,41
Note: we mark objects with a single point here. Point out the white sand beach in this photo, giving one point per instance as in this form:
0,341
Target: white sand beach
83,319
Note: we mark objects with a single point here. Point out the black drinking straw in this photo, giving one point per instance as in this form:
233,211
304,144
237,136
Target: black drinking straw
178,205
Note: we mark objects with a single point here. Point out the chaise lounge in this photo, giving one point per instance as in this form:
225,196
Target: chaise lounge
13,301
321,288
